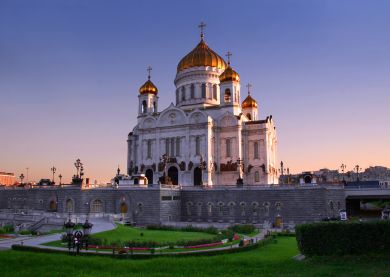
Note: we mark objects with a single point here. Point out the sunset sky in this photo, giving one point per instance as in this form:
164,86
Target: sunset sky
70,73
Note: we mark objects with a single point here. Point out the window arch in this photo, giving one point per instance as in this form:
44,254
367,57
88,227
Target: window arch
183,93
242,208
197,146
203,90
248,115
154,107
231,208
255,150
69,206
97,206
189,208
257,176
144,106
210,208
228,95
228,148
215,92
192,91
220,208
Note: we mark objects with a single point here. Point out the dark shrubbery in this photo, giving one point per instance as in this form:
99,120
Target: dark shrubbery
189,228
243,229
343,238
6,229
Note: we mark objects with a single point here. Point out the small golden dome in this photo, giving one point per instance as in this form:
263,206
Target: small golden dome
229,75
249,102
201,55
148,87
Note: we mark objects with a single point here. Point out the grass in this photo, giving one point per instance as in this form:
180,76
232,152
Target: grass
271,260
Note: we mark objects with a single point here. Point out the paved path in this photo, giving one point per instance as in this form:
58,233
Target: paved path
99,225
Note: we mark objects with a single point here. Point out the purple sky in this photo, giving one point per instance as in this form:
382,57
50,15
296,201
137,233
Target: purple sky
70,73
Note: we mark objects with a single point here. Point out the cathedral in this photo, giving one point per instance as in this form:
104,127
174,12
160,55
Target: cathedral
208,137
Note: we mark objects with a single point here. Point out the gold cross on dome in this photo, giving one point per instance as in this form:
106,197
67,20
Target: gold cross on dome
202,26
249,88
228,55
149,69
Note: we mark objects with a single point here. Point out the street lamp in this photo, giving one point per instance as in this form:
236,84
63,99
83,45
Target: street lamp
60,176
21,178
69,226
77,236
202,166
164,160
240,164
357,168
87,227
53,169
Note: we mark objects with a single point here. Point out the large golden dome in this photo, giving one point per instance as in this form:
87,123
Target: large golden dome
201,55
249,102
229,75
148,87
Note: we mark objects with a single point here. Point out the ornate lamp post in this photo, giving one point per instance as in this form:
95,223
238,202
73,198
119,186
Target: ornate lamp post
87,227
53,170
69,226
164,160
202,166
343,167
21,178
60,176
357,168
240,164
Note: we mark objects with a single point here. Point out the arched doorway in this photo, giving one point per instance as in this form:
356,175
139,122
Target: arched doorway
69,206
53,206
197,176
173,175
149,175
123,208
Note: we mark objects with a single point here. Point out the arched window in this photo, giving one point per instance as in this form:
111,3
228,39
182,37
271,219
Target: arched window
183,93
154,107
242,208
278,206
220,208
248,115
149,149
255,206
189,208
255,150
228,95
197,146
97,206
192,91
203,90
215,92
228,148
231,208
209,208
140,207
177,96
144,107
257,176
199,209
69,206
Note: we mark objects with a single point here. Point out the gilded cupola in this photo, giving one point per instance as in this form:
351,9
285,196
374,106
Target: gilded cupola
229,74
148,86
201,55
249,102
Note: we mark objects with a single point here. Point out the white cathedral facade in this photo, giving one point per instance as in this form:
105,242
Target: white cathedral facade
209,137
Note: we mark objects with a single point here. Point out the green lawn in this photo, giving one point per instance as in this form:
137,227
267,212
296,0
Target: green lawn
271,260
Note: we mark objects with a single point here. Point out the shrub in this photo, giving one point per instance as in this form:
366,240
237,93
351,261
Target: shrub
189,228
343,238
243,229
25,232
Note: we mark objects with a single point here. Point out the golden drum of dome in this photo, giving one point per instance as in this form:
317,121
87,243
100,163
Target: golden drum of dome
201,55
229,75
249,102
148,87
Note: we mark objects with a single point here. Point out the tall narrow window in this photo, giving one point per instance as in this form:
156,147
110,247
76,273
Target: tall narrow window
155,107
172,147
256,150
177,147
149,154
203,90
215,92
183,93
197,146
167,146
228,148
177,96
192,91
257,177
228,95
144,106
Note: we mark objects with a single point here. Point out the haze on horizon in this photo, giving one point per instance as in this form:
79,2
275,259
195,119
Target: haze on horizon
70,73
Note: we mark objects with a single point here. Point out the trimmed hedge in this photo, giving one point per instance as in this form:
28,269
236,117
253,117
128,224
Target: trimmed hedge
343,238
243,228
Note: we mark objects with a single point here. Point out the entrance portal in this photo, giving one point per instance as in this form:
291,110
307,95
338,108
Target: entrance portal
149,175
197,176
173,175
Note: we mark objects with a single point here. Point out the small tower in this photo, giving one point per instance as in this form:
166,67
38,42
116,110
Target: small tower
230,85
249,106
147,97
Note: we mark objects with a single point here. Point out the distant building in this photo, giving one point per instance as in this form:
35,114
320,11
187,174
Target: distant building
7,179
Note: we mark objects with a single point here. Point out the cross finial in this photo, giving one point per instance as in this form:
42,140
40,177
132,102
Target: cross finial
249,88
228,55
149,69
202,25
